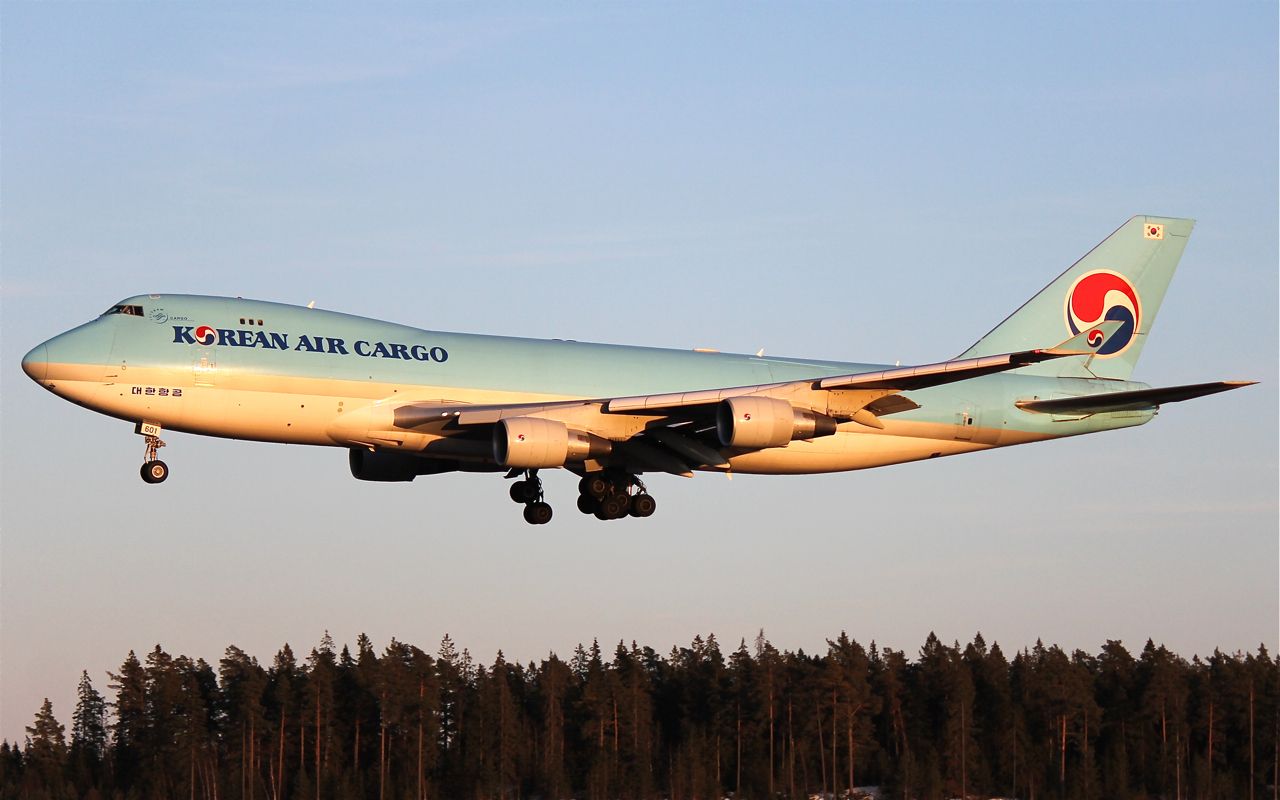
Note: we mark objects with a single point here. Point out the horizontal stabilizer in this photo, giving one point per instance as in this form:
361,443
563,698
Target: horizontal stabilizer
1138,400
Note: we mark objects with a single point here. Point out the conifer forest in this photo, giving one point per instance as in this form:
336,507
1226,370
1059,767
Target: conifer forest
699,722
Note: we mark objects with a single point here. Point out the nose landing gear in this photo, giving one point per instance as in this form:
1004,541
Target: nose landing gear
153,469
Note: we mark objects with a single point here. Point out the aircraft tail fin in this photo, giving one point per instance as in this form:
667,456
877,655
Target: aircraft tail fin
1124,279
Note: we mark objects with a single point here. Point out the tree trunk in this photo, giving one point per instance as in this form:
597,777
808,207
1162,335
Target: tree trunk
1251,765
822,750
382,761
849,723
318,740
835,738
1210,764
791,752
253,757
280,783
1177,763
1014,790
718,783
964,760
771,792
1088,793
737,781
422,690
1062,753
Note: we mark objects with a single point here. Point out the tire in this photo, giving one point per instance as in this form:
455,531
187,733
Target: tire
537,513
593,485
154,471
642,505
611,507
587,504
524,491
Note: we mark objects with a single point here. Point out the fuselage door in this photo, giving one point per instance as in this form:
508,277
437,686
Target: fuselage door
966,421
205,367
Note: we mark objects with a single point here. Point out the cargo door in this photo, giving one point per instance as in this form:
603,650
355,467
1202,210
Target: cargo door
205,367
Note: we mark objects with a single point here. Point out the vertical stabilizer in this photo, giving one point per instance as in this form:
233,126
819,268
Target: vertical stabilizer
1124,279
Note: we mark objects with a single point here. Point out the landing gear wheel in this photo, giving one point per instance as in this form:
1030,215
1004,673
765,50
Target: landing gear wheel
593,486
525,491
612,507
155,471
587,504
643,505
537,513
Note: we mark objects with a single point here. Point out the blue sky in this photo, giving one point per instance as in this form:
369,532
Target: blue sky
849,181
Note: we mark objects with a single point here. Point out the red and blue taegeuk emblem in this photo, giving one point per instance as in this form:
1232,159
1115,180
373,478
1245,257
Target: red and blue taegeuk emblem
1104,295
205,335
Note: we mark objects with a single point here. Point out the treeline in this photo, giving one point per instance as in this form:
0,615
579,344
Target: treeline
699,723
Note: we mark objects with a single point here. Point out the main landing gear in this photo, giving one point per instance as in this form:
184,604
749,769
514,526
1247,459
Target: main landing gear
608,495
529,492
153,469
612,494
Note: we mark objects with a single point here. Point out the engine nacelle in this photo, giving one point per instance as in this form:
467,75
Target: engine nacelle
371,466
533,443
767,422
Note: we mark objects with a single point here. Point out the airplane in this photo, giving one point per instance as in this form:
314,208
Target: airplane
407,402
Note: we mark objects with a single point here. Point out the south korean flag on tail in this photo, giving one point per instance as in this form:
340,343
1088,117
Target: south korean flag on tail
1153,231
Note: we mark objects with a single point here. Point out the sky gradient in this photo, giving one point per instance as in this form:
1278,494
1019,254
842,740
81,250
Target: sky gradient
875,182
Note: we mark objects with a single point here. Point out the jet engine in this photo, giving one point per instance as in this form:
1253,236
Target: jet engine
533,442
767,422
371,466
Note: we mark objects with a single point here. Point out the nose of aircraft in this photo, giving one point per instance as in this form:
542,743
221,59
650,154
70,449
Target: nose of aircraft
36,363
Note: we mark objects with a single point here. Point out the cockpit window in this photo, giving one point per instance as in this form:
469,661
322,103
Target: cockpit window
133,311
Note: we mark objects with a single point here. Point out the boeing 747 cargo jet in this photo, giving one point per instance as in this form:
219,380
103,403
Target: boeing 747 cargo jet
407,402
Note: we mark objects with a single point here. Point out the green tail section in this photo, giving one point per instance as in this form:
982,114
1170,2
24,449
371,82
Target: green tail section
1123,279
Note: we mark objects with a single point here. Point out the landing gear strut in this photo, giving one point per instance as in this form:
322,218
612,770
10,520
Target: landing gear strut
153,469
609,495
528,491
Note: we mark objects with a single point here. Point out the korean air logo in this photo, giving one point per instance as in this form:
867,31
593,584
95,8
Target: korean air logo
1099,296
205,335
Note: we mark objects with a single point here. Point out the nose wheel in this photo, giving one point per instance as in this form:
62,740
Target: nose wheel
528,492
153,469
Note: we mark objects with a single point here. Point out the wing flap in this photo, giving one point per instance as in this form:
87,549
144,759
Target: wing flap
1136,400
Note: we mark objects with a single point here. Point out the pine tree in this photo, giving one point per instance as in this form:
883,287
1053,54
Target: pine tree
129,733
318,710
45,757
243,682
88,734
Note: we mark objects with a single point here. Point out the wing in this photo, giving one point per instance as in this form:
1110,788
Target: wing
670,432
